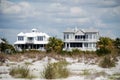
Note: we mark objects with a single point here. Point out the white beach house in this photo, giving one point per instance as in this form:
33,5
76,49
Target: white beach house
31,40
80,39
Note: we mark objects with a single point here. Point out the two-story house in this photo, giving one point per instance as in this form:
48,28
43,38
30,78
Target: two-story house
31,40
80,39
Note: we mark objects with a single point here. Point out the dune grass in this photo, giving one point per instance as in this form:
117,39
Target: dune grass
107,62
85,72
21,72
55,70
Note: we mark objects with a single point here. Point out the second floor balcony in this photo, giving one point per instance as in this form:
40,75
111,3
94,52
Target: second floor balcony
30,40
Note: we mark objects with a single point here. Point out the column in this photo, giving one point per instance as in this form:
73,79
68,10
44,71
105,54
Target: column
83,46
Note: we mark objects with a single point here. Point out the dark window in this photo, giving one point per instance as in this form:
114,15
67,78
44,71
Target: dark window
86,44
20,38
75,44
40,38
67,36
30,38
79,37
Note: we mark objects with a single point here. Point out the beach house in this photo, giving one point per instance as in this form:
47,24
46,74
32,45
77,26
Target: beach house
80,39
31,40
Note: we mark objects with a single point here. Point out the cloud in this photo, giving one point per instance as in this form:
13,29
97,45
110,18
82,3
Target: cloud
77,11
22,9
54,16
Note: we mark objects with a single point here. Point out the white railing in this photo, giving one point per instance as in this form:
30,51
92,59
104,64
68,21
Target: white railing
30,41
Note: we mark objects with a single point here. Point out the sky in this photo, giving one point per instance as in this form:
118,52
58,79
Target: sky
55,16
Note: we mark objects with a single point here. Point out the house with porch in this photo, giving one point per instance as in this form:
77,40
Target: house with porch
80,39
31,40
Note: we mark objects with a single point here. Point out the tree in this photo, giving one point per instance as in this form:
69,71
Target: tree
105,42
54,45
105,45
5,40
117,43
4,46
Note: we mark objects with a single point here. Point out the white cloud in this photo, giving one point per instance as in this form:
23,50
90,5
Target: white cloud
54,15
9,7
22,9
76,10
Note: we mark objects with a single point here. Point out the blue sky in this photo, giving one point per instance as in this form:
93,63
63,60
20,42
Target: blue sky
54,16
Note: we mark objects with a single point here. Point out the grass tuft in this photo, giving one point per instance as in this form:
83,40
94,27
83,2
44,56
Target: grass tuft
21,72
56,70
85,72
107,62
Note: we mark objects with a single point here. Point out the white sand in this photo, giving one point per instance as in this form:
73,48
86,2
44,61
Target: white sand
75,67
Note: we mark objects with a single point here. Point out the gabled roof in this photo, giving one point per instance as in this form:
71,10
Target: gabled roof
80,31
21,34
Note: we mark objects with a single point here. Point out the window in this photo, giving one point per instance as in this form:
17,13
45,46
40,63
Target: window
40,38
86,36
94,36
75,44
20,38
30,38
89,36
67,36
94,45
90,45
80,37
86,44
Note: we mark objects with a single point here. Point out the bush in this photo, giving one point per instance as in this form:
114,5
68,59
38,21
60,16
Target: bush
55,70
103,51
20,72
76,51
66,52
2,57
5,46
107,62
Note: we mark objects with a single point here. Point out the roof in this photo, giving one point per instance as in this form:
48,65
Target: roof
33,33
69,31
91,30
80,31
21,34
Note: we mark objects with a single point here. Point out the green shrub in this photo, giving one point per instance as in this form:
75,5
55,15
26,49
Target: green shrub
107,62
103,51
55,70
20,72
76,51
66,52
2,57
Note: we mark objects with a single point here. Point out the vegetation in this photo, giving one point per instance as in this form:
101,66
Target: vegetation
117,43
85,72
103,51
54,45
55,70
2,58
105,45
6,47
115,76
21,72
107,62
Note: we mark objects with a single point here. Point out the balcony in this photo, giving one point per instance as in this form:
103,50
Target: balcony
30,40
